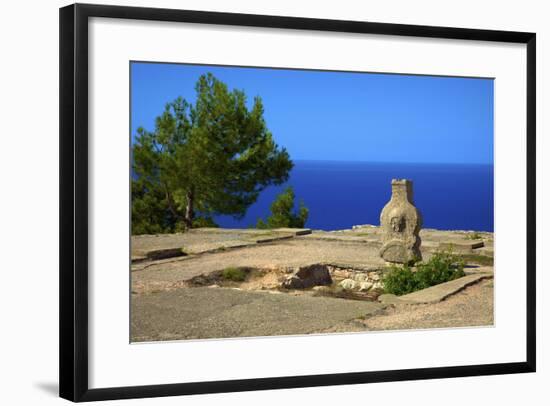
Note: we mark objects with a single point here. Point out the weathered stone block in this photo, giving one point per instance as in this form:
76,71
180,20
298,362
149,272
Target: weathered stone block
460,246
400,222
307,277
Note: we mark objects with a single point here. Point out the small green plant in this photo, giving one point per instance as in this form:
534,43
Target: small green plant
441,267
400,280
234,274
473,236
283,213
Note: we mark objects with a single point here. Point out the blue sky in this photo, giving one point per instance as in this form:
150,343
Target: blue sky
343,116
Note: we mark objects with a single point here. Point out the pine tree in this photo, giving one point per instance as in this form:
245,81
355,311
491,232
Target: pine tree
204,159
282,214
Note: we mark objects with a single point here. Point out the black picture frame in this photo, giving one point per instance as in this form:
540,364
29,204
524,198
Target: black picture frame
73,180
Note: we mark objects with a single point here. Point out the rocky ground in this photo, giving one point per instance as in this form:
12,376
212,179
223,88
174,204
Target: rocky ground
471,307
166,306
205,312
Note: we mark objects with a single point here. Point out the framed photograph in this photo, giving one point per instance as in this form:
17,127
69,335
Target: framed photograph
257,202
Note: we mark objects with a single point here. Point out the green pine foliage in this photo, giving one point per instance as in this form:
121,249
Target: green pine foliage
441,267
283,214
149,210
211,157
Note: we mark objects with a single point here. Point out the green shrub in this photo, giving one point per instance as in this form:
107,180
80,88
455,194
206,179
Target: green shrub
441,267
473,236
283,213
234,274
400,280
204,222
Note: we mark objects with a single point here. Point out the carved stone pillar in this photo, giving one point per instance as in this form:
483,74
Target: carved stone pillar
400,222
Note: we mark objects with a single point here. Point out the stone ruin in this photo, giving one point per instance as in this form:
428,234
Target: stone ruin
400,222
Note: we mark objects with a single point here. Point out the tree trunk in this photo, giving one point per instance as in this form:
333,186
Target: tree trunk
171,204
189,212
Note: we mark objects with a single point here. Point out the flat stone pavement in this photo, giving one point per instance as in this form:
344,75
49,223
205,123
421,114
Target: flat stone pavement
181,314
432,239
216,249
198,313
471,307
298,251
437,293
200,240
164,309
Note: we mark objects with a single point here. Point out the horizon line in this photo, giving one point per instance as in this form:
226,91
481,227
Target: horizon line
394,162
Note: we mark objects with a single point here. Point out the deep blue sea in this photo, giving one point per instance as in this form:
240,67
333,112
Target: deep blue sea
342,194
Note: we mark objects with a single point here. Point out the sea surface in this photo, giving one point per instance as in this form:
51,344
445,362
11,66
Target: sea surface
342,194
